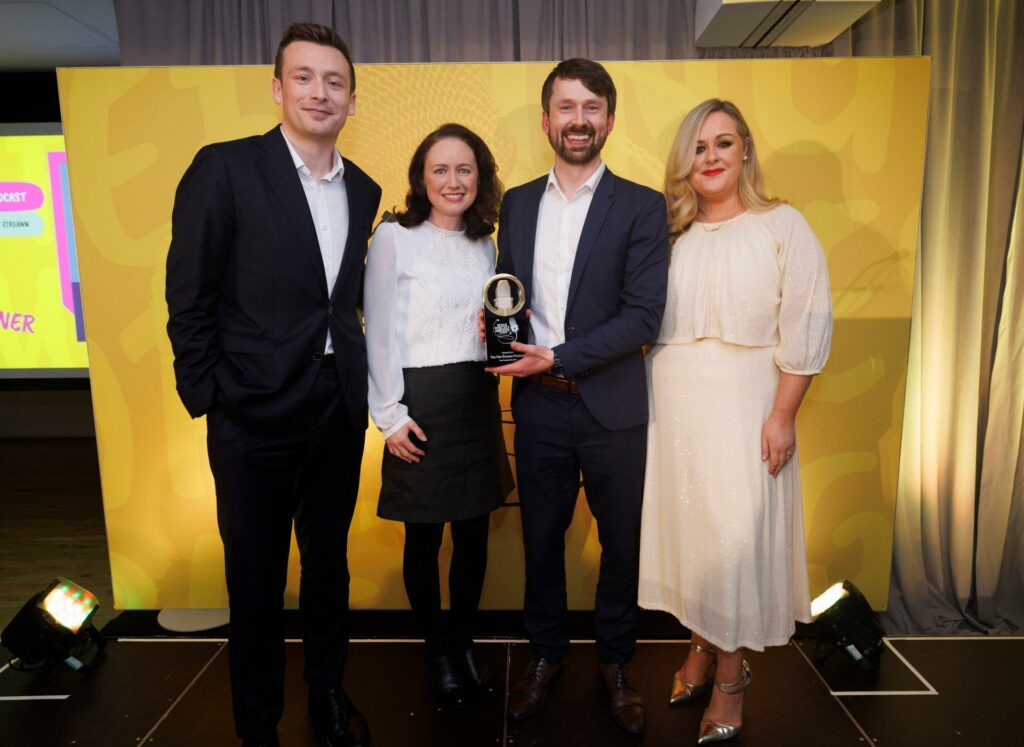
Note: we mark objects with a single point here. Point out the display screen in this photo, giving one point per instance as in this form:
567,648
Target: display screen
42,332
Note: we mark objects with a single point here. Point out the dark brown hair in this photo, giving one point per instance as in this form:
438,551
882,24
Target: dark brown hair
479,217
591,74
318,34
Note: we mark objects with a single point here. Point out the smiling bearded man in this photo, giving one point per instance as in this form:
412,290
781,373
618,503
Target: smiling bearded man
592,251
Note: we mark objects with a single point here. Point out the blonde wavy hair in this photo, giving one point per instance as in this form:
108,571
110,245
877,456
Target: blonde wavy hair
680,197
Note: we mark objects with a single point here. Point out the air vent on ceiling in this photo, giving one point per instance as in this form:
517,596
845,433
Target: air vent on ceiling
775,23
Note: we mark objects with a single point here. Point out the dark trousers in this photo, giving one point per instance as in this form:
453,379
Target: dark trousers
465,580
557,438
306,472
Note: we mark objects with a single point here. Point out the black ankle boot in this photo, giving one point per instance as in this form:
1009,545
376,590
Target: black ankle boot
445,683
475,677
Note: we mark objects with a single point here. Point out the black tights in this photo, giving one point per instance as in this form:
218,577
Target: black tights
465,579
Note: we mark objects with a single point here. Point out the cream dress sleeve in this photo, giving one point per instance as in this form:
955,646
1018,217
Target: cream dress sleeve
805,308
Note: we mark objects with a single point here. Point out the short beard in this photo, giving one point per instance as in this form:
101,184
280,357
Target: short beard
561,145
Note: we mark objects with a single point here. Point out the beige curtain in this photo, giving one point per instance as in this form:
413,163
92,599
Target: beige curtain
959,543
1000,547
958,548
228,32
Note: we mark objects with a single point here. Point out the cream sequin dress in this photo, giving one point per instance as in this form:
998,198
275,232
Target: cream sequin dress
722,543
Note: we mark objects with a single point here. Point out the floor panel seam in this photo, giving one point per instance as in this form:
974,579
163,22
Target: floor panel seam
11,698
908,665
838,702
958,638
171,640
508,679
182,695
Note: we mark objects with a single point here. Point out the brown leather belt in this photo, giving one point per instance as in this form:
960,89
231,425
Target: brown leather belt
556,382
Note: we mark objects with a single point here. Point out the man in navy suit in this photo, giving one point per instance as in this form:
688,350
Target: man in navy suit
263,278
592,252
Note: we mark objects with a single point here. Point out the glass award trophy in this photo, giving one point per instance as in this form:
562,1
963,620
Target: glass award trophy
504,318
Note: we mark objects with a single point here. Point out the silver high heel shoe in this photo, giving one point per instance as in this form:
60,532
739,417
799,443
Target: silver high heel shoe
713,731
684,692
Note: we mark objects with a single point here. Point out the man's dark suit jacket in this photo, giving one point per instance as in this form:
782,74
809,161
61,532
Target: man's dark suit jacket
247,294
616,291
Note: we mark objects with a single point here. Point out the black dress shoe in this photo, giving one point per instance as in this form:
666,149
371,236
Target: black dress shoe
263,740
336,719
624,700
445,683
528,693
475,677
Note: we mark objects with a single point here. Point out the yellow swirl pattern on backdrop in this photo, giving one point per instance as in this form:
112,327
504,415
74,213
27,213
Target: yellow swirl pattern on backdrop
842,140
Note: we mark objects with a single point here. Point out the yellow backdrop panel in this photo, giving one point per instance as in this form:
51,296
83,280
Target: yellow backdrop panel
842,140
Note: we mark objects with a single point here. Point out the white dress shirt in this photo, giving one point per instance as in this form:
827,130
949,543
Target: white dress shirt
328,204
559,225
422,291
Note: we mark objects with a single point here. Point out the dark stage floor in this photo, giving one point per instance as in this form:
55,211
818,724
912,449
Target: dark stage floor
930,691
152,689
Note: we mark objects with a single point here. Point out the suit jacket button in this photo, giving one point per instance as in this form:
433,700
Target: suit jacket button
318,356
330,309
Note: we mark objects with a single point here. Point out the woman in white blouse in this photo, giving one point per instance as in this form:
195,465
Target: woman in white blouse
429,394
747,324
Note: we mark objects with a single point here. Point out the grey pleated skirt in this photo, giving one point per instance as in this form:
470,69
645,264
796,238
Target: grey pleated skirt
465,471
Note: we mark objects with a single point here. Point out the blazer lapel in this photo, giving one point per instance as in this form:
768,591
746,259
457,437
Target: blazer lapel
279,169
355,242
600,206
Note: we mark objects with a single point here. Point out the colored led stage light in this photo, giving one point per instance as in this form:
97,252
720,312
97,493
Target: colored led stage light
53,626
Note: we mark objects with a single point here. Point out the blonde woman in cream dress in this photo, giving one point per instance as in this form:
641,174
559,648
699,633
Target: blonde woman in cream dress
747,324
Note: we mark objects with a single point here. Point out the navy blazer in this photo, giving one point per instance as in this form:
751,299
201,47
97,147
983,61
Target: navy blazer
247,296
616,291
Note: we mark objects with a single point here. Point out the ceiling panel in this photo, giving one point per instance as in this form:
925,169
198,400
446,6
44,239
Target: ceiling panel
40,35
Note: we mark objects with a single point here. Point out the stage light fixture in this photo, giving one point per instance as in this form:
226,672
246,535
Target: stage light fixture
845,620
54,626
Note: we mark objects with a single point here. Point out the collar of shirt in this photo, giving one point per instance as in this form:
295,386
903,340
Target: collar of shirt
588,186
337,165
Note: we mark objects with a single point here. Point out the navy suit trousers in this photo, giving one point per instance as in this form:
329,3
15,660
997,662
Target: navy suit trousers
306,473
557,440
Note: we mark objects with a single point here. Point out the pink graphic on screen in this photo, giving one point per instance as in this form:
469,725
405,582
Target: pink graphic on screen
67,254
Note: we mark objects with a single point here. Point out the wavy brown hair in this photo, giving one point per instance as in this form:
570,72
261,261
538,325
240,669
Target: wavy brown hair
479,217
680,197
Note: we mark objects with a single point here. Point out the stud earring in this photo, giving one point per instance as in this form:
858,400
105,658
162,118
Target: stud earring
744,158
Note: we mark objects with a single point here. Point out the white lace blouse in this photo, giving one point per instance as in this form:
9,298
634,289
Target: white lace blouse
422,291
760,280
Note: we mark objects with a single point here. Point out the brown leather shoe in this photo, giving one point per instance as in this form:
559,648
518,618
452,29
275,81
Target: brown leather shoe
527,694
624,700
